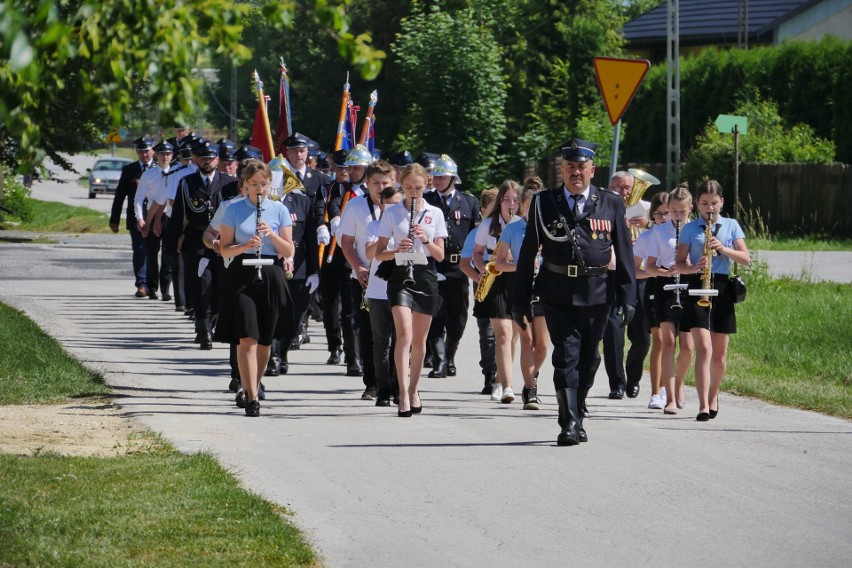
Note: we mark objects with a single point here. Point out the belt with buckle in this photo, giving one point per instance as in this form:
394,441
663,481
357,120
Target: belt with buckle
454,258
573,270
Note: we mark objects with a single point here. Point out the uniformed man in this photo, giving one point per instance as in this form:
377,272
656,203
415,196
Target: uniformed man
152,186
127,184
297,155
578,227
227,161
197,198
461,213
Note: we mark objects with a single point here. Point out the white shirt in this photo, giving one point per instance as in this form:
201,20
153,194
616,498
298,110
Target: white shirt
395,224
173,181
570,197
354,221
377,289
661,244
152,185
486,240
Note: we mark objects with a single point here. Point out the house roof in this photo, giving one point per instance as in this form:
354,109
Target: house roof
703,21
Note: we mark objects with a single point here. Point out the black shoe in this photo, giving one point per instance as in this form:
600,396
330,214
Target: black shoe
530,398
437,374
369,393
713,413
240,399
198,337
334,358
583,437
234,385
617,394
141,292
166,298
632,389
306,338
296,344
180,308
428,361
354,369
383,402
396,400
284,368
206,341
273,368
585,411
153,296
489,382
253,408
566,439
190,313
403,413
451,369
261,392
703,417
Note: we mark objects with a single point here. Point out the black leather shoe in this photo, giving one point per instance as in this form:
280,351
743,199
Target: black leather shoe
334,358
703,417
261,392
428,361
153,296
585,411
583,437
403,413
284,368
240,399
253,408
383,402
566,439
234,385
713,413
617,394
206,341
167,297
296,344
632,389
437,374
273,369
451,368
489,382
354,369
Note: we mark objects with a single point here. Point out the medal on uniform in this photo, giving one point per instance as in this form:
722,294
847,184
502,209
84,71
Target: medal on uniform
595,227
458,217
293,217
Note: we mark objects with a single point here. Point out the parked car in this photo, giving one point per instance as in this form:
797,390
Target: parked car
104,175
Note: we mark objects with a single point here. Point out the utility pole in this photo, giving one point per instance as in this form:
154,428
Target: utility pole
672,93
232,127
742,24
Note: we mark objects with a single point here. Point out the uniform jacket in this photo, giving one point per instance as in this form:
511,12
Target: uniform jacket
462,216
305,260
189,223
602,217
127,184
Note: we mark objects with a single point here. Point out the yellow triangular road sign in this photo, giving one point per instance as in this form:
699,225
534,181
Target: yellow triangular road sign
618,80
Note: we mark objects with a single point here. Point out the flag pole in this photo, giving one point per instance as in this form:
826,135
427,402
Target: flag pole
365,130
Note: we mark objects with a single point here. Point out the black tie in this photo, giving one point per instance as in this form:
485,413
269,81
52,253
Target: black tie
207,184
576,208
144,167
300,176
447,201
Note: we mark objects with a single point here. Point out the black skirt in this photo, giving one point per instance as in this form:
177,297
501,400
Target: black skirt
260,310
497,304
422,296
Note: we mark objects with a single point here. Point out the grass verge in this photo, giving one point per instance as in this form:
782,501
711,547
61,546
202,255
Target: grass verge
60,218
799,244
35,369
159,508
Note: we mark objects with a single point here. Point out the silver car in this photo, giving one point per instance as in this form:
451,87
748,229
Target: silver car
104,175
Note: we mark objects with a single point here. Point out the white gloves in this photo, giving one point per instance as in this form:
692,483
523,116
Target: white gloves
323,237
312,283
334,223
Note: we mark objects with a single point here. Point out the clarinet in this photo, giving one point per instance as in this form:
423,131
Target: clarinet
259,276
409,277
677,305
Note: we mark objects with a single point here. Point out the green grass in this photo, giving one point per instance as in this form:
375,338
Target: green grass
802,244
159,508
792,346
60,218
35,369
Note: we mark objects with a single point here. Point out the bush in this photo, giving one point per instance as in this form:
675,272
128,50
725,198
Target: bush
16,198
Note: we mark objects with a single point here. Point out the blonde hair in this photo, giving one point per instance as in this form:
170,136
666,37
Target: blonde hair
413,170
249,167
487,199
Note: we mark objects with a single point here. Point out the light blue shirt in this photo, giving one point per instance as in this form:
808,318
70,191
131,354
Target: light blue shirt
727,231
469,245
513,235
242,216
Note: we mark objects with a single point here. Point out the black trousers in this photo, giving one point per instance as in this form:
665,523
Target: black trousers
575,332
175,262
639,336
487,349
301,300
204,289
365,333
451,316
613,349
159,276
338,314
619,372
383,340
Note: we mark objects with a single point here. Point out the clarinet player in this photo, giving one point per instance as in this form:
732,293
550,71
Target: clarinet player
256,305
416,227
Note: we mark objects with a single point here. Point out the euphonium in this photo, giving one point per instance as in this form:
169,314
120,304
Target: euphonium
641,182
707,272
283,179
487,278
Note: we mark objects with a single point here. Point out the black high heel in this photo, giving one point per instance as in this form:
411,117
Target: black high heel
713,413
403,413
417,409
703,417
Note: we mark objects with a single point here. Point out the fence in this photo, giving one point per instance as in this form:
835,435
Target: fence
797,199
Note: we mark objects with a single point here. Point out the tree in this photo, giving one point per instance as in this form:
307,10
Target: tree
452,88
114,53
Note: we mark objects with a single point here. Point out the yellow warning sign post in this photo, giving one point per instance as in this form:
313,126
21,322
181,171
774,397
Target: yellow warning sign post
618,80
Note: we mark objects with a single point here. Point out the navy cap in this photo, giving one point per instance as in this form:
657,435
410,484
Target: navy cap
245,151
578,150
322,163
143,143
296,140
226,150
427,160
205,149
401,159
339,157
164,146
225,142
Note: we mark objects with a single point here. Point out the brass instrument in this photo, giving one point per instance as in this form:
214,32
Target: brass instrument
409,277
642,180
487,278
706,289
283,179
677,286
258,262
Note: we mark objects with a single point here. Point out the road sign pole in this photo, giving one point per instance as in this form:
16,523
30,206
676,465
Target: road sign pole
113,149
736,173
614,163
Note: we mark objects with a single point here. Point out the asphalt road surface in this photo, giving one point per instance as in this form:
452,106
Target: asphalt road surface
469,482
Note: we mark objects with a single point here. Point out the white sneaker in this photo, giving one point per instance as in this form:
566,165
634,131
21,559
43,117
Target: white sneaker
663,395
496,392
508,396
656,402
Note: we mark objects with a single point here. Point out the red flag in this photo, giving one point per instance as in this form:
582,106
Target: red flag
284,127
261,135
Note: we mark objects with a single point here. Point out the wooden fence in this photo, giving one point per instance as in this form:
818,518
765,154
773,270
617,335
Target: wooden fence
797,199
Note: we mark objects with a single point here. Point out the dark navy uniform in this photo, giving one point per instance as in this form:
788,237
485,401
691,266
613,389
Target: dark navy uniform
572,283
461,213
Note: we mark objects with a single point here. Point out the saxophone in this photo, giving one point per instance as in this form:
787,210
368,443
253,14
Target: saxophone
707,271
487,278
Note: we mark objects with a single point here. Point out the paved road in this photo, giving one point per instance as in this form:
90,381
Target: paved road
469,482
